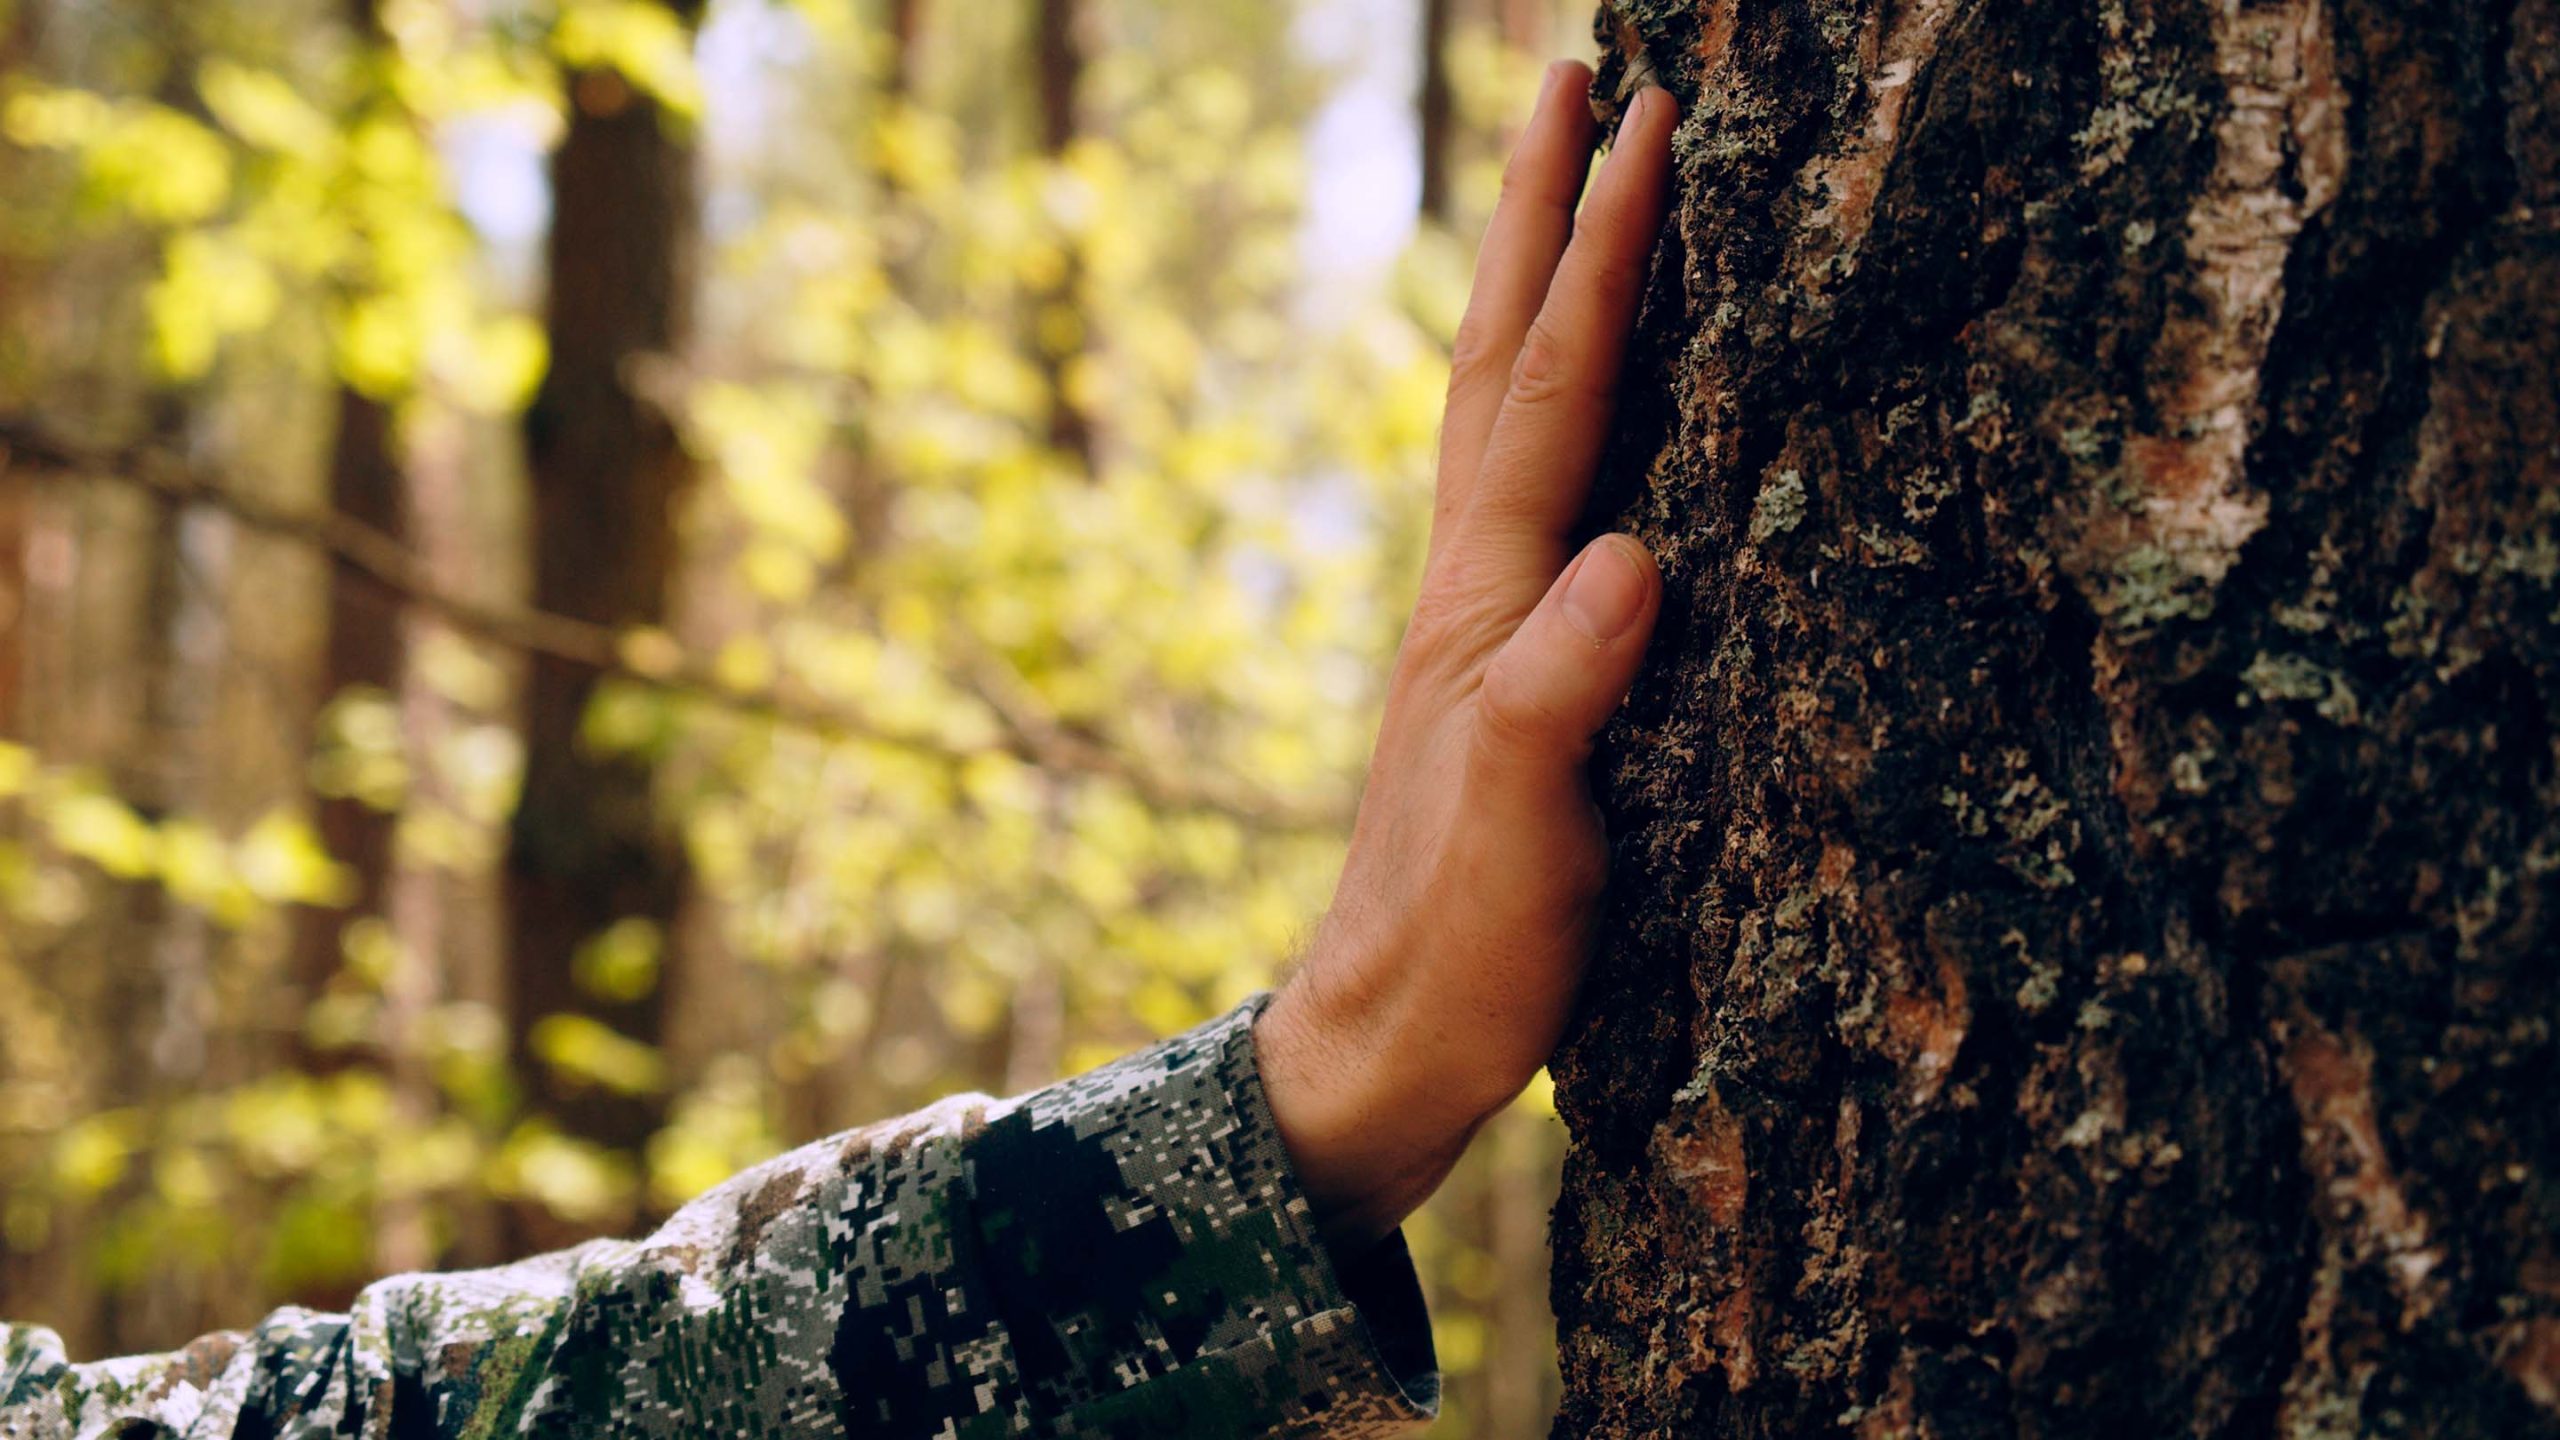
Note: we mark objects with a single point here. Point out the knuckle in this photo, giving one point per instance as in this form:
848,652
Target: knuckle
1475,359
1512,718
1521,179
1448,619
1541,373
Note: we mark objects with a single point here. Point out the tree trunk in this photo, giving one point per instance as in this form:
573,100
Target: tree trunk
1061,325
608,471
21,36
2083,959
1436,113
365,649
905,20
1032,1045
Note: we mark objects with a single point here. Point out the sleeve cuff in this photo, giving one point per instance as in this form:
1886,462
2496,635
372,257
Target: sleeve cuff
1146,1239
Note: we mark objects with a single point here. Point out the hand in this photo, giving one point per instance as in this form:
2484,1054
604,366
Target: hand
1441,978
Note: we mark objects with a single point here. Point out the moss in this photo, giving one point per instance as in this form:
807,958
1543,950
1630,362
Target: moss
1969,819
2147,586
2087,1130
2040,989
2412,629
2035,827
2038,825
1925,491
1900,418
1890,548
2187,771
2275,678
2537,560
2084,442
1780,507
2285,677
2043,984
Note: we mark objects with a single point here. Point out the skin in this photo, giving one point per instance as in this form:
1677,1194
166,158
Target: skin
1442,976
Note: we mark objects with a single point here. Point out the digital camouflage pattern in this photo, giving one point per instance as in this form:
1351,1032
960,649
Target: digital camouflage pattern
1122,1254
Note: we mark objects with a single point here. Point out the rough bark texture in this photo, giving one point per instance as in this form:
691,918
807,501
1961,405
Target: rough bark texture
608,471
2084,955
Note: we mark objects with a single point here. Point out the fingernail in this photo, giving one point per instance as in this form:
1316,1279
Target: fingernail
1642,106
1607,591
1547,83
1638,108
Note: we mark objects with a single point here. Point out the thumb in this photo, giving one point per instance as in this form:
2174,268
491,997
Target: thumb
1562,675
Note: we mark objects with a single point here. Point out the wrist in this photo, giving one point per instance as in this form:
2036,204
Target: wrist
1368,1150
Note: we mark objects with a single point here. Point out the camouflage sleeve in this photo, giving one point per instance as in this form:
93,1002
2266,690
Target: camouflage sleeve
1122,1254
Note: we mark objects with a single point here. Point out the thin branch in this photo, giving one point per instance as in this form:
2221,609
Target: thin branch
1024,729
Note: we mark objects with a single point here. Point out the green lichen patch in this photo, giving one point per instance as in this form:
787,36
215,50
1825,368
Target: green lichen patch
2148,586
2275,678
1780,507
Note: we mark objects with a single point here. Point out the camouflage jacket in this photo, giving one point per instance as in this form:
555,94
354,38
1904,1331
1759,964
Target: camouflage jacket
1121,1254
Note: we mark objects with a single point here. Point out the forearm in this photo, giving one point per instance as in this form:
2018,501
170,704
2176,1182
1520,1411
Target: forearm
1127,1252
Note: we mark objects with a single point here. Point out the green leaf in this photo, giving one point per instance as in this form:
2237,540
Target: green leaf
585,1050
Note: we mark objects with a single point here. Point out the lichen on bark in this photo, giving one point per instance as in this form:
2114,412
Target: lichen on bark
2083,958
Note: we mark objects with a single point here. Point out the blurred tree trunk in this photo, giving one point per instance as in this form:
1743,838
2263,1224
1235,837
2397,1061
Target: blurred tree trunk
608,471
147,657
15,500
1033,1041
364,649
906,47
145,952
448,919
40,1271
2083,959
1436,114
1062,328
20,34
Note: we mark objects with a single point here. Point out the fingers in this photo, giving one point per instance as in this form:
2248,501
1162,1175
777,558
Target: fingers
1513,269
1555,415
1558,679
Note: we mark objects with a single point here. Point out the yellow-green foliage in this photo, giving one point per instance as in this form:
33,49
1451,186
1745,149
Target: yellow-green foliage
896,293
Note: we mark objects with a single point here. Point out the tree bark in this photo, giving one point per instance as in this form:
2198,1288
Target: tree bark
2083,957
608,472
365,648
1062,324
1436,113
21,36
1032,1046
905,20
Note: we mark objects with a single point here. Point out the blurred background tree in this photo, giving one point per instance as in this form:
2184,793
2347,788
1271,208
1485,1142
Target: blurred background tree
590,589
